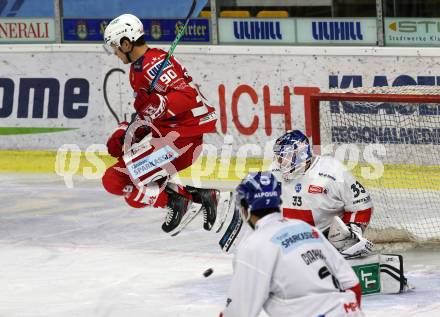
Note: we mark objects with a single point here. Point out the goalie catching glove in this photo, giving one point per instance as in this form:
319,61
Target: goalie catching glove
348,239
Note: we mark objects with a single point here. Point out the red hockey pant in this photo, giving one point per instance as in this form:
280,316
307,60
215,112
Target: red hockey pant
119,183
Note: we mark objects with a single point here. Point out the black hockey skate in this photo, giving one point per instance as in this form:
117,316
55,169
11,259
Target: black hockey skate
209,199
177,206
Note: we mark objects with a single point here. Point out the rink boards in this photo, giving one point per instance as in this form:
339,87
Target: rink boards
54,94
55,118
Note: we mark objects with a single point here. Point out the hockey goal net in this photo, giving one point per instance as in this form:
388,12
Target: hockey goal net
390,137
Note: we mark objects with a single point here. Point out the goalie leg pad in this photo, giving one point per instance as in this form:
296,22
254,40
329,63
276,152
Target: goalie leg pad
380,273
392,279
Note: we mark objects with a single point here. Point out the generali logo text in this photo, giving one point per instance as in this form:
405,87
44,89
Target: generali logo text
25,29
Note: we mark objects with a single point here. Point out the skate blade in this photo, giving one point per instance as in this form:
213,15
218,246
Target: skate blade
189,216
224,208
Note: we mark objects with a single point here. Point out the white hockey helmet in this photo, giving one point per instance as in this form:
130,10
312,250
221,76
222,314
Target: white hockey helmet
126,25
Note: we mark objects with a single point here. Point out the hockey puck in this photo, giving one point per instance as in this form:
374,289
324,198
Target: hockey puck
208,272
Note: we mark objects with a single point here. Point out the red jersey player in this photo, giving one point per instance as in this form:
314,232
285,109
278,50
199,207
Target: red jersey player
177,118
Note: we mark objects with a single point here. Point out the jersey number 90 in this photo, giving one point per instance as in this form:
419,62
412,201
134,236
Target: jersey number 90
168,76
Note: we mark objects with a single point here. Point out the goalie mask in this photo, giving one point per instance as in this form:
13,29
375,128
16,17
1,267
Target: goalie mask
292,154
258,193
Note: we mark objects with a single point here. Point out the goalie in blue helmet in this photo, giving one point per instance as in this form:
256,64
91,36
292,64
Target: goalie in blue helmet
319,190
293,154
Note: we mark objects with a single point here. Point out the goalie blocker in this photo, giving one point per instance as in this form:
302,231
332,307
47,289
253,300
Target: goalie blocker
380,273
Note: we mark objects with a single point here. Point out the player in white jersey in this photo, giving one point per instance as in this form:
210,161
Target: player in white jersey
322,192
286,267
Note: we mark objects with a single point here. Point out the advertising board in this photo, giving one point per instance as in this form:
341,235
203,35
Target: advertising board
412,31
27,30
157,30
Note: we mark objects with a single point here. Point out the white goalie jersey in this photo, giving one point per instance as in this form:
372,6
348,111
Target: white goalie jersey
326,190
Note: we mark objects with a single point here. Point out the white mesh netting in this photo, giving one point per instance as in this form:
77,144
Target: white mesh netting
398,90
395,150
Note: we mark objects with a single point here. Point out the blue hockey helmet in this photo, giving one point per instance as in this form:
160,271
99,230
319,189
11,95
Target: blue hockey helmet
258,192
292,153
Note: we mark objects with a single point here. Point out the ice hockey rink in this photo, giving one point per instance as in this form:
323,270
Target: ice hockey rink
81,252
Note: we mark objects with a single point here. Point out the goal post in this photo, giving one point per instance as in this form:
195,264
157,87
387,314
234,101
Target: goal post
390,138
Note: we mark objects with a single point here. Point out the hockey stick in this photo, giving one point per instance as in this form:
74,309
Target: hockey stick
226,199
170,52
172,47
231,233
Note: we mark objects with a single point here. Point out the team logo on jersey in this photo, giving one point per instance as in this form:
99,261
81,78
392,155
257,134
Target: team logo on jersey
298,187
313,189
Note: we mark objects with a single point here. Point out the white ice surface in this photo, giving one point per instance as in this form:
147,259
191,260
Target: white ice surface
81,252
